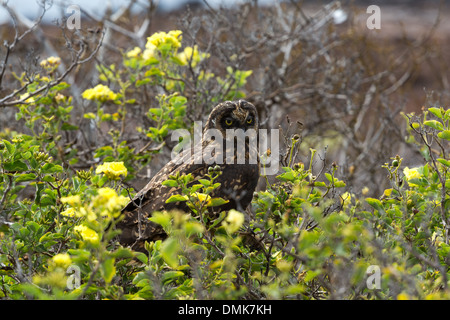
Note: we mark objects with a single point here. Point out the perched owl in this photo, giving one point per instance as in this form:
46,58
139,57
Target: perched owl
239,167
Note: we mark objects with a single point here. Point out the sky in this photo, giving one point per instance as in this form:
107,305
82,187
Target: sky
31,9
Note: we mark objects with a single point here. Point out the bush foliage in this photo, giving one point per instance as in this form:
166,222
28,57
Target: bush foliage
308,234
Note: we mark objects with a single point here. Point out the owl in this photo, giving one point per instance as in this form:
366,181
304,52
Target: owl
238,180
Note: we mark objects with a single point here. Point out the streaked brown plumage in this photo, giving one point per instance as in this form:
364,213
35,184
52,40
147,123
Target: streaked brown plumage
238,181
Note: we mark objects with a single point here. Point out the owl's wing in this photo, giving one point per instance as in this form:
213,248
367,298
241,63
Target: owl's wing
135,226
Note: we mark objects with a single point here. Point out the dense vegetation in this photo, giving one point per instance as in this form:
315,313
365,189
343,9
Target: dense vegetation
76,151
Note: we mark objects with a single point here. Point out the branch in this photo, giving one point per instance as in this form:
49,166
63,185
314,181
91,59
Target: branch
76,62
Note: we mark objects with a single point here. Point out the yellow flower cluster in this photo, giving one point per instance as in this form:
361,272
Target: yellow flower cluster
202,199
172,38
62,260
109,202
233,221
192,55
100,93
106,204
159,41
411,174
87,234
113,170
51,62
134,53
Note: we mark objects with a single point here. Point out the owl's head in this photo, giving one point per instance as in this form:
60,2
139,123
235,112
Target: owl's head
238,114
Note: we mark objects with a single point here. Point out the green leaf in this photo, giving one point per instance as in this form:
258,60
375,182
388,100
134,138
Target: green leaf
339,184
434,124
26,177
51,168
170,276
10,147
214,202
142,257
170,183
205,182
15,166
287,176
444,135
375,203
89,115
142,82
436,112
108,270
67,126
445,162
319,184
161,218
169,251
176,197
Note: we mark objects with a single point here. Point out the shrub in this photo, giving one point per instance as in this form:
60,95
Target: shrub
309,234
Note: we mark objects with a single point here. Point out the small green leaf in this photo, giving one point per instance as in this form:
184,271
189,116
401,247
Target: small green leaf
169,251
436,112
176,197
445,162
15,166
156,111
161,218
142,82
444,135
319,184
26,177
10,147
108,270
170,276
170,183
51,168
339,184
205,182
434,124
375,203
67,126
89,115
214,202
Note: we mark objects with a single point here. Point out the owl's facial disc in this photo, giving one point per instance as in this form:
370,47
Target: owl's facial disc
238,119
233,115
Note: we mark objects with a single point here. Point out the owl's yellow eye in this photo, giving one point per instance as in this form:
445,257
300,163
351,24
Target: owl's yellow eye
228,122
250,120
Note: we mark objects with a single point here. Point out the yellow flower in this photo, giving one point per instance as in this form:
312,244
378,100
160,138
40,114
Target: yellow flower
365,191
134,53
113,170
411,174
192,55
100,93
172,38
202,199
87,234
403,296
149,51
233,221
69,212
51,62
109,202
25,96
62,260
72,201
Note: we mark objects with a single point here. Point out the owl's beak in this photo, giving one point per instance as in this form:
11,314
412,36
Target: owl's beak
240,114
